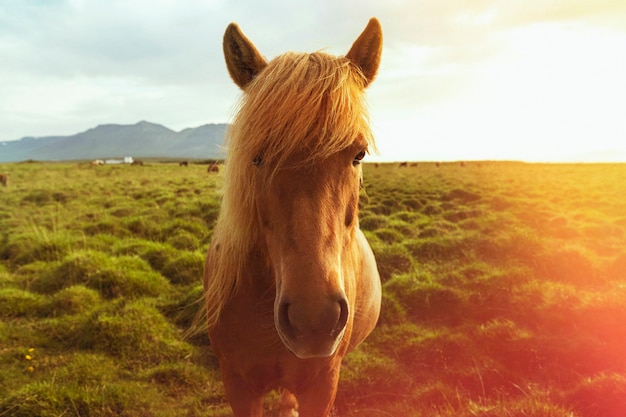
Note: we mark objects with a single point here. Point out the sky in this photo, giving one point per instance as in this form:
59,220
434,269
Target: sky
531,80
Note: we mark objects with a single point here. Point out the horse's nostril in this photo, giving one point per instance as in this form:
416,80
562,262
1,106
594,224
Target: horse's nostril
295,320
342,320
284,322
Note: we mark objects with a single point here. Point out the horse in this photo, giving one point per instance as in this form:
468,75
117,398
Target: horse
4,179
183,164
290,282
213,168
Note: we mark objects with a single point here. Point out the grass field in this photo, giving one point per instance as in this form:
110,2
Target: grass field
504,292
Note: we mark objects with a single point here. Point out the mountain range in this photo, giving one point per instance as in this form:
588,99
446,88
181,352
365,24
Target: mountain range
141,140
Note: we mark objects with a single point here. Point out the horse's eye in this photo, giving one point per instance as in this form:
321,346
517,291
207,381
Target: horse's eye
358,158
257,161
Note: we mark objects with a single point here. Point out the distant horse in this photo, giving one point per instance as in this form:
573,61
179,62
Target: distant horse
183,164
213,168
4,179
291,283
138,162
403,164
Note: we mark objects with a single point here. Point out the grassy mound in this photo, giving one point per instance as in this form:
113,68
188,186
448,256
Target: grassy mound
504,292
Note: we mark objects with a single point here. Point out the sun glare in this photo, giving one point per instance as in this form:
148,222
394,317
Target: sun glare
553,93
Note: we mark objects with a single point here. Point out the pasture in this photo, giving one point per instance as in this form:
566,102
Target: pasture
504,291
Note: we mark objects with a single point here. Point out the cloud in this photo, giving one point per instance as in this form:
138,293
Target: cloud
113,61
448,66
110,38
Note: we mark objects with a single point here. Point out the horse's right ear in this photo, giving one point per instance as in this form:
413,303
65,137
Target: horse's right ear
243,60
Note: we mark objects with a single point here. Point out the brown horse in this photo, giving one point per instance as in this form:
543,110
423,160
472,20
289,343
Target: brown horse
213,168
291,283
4,179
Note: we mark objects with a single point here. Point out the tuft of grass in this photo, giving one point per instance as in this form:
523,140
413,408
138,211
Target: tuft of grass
19,303
184,240
424,299
40,245
187,268
603,394
135,333
392,259
86,384
76,299
125,276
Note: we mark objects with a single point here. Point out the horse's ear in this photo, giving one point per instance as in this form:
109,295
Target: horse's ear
243,60
366,50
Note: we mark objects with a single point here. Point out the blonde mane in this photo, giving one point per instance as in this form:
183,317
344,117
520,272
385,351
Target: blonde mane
302,108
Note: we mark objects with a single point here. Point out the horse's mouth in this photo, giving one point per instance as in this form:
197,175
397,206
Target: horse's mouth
312,346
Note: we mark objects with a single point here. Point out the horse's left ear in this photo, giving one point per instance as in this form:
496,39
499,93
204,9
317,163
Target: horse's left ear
243,60
366,50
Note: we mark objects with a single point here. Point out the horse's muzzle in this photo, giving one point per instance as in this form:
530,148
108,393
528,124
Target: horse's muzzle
312,329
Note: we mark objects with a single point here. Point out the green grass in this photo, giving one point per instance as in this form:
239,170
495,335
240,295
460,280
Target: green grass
504,292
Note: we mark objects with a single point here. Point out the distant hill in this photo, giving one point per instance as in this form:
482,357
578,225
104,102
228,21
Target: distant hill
141,140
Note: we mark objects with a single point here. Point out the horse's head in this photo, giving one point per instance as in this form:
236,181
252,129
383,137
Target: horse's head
301,132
